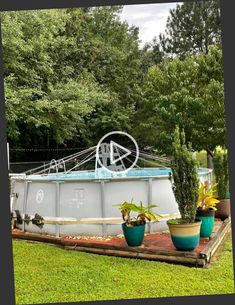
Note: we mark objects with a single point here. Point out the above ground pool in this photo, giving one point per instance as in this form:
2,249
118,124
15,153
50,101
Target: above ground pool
66,199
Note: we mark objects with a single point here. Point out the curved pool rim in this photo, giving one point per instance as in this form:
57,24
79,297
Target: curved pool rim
86,175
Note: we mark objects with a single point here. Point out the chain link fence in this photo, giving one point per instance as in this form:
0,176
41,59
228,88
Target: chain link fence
22,159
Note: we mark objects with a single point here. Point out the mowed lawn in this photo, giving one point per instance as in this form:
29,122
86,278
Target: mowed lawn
46,273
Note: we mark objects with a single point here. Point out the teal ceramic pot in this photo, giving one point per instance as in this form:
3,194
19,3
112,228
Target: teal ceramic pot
185,237
208,220
134,235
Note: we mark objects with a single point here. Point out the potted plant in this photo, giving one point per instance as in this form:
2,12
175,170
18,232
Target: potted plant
185,232
134,226
220,161
206,208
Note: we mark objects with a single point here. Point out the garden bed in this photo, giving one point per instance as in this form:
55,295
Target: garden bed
156,246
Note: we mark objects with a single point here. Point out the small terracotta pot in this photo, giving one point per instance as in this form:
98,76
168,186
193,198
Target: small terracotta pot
223,209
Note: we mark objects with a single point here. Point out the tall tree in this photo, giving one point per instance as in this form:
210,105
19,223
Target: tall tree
188,93
191,28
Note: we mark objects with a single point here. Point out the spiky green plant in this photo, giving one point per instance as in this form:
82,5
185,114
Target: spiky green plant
184,177
143,213
220,161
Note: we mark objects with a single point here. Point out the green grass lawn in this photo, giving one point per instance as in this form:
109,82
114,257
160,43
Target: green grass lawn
45,273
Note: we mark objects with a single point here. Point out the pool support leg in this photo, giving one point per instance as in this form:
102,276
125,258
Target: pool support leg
57,207
102,193
150,198
25,203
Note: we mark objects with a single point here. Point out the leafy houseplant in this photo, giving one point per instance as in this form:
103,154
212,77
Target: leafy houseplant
206,207
220,161
134,226
185,232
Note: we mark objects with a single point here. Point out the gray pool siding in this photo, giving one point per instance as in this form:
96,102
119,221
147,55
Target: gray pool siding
91,199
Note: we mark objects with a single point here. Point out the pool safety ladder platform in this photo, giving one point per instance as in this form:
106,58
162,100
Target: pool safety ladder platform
156,246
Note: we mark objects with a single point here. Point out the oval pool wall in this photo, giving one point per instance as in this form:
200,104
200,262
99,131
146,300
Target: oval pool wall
65,197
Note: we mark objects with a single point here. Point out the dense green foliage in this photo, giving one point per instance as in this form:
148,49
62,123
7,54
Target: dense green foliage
69,75
220,161
192,28
72,75
47,274
188,93
184,177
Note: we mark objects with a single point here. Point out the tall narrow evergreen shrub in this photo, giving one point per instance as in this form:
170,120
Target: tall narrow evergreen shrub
220,161
184,177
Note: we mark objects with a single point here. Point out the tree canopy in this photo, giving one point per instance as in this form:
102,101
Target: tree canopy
72,75
65,69
187,93
191,28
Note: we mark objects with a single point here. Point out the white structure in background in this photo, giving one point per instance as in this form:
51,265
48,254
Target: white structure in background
8,156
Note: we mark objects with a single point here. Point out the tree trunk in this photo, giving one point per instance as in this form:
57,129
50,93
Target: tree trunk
209,159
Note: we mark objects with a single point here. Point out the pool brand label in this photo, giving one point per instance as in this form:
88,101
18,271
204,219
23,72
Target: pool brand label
39,196
79,197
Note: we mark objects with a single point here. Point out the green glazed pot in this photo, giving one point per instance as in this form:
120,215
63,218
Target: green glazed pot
134,235
208,220
185,237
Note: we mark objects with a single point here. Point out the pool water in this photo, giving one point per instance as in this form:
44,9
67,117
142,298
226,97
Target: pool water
103,174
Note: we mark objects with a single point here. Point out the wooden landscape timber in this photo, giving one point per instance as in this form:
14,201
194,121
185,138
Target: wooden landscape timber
117,247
